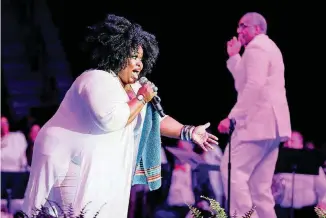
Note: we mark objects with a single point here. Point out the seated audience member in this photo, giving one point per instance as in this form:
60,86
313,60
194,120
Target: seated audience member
298,192
181,186
13,148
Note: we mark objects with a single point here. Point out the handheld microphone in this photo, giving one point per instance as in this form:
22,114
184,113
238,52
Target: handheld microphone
156,101
232,125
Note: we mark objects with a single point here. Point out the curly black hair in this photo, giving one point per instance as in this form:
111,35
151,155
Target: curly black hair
111,42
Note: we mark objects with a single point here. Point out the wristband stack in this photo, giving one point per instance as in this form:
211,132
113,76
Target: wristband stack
186,133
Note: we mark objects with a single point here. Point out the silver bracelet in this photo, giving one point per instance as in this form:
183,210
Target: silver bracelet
186,133
191,131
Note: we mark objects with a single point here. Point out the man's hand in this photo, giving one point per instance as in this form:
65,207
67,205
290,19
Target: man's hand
233,46
224,126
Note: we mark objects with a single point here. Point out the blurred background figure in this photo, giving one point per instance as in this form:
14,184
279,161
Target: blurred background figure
13,149
13,160
214,158
299,183
310,145
183,185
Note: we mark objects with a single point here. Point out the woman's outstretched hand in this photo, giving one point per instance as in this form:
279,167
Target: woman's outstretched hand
202,138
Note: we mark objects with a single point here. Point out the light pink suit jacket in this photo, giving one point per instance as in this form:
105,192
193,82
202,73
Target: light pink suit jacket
261,110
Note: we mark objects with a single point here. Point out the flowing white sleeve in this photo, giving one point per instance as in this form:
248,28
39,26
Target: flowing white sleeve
106,102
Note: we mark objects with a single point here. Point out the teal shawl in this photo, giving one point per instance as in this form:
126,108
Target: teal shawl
148,162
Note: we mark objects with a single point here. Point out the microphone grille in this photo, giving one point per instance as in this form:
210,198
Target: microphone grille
143,80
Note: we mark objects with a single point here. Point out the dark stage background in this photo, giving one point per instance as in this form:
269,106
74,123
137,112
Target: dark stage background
191,73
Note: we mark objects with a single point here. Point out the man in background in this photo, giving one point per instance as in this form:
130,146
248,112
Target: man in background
261,114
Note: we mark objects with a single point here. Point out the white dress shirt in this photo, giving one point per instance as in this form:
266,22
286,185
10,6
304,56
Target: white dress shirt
214,158
308,190
13,152
181,188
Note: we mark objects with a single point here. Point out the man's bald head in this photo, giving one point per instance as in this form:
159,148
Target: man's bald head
255,18
250,25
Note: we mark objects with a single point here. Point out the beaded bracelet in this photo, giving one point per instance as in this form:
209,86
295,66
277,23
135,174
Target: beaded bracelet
186,132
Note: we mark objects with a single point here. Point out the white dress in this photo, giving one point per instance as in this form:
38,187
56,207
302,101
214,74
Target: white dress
85,154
